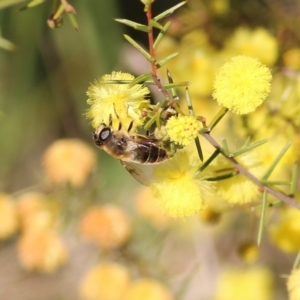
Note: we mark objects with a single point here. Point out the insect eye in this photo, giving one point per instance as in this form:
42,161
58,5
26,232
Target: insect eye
105,134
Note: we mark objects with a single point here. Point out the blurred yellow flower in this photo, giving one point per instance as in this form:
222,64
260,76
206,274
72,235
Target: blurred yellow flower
209,215
242,84
249,252
183,130
178,193
107,226
255,283
106,281
35,212
258,43
291,58
198,63
148,208
220,7
8,217
293,285
120,102
68,161
197,59
285,233
239,189
42,251
147,289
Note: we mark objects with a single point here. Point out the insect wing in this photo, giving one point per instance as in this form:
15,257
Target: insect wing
146,139
142,173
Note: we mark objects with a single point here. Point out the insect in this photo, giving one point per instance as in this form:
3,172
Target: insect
133,150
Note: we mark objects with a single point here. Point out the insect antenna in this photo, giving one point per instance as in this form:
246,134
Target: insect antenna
120,126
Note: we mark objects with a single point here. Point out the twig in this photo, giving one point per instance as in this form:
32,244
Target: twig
151,39
286,199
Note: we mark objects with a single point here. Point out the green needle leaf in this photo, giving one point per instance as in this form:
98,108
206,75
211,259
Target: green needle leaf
189,102
6,3
175,85
6,44
276,161
141,79
169,11
262,218
218,117
165,60
73,20
32,4
156,24
208,162
161,34
249,147
295,176
225,146
139,48
134,25
297,261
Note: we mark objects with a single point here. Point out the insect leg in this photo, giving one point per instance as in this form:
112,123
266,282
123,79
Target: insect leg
120,124
130,126
110,120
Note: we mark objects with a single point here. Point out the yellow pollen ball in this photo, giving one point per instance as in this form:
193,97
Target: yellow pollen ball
183,129
242,84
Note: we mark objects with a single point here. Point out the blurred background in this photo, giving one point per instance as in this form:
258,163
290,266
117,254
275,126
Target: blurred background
43,84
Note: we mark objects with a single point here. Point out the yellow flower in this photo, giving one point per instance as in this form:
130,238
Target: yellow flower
107,281
69,161
148,209
239,189
9,218
41,251
178,193
293,285
242,84
258,43
285,234
35,212
183,129
248,284
120,102
147,289
107,226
